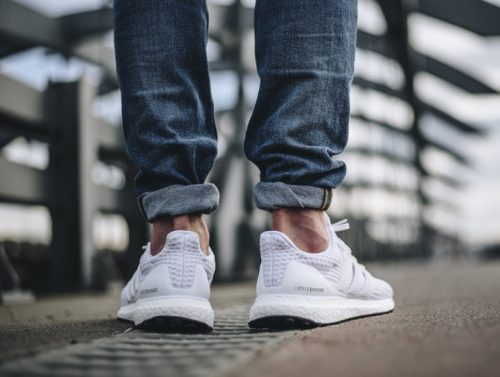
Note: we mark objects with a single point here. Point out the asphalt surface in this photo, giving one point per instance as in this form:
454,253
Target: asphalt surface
446,323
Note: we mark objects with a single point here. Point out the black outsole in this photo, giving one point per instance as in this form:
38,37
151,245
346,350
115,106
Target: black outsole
171,324
124,320
282,322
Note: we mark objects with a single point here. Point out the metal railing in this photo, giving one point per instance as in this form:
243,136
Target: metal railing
61,115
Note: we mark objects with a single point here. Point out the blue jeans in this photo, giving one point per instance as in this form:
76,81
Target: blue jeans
305,60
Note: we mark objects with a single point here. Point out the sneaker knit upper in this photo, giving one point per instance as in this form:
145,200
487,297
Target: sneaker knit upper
336,264
181,255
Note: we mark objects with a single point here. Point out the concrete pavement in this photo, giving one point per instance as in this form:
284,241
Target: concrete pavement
54,322
446,323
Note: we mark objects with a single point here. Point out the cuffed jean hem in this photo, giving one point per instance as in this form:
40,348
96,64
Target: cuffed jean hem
179,200
270,196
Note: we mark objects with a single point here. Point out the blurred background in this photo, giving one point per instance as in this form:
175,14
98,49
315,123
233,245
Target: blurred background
423,157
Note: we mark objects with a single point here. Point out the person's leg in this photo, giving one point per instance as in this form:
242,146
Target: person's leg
305,59
170,134
167,110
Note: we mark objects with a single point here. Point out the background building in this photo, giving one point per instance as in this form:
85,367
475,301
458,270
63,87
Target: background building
423,177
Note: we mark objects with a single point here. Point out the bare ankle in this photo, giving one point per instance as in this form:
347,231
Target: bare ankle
305,227
191,222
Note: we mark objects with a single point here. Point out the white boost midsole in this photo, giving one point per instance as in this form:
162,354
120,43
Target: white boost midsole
321,310
193,308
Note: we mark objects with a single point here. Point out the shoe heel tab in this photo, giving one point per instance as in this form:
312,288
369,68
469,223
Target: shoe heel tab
181,234
281,241
185,240
272,235
273,239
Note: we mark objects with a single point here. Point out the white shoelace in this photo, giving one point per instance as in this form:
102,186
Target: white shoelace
341,225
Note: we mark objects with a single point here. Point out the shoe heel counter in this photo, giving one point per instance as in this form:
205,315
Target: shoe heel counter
178,270
158,284
185,260
281,272
298,279
155,284
275,254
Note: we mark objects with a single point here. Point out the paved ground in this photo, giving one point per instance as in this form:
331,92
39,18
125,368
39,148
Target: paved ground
55,322
447,323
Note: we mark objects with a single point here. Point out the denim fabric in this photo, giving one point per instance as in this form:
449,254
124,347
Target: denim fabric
153,204
167,107
305,58
275,195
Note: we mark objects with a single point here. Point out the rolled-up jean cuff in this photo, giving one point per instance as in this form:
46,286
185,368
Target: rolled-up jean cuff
270,196
179,200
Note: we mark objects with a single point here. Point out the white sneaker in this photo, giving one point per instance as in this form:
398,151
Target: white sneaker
300,289
170,290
